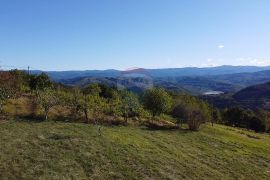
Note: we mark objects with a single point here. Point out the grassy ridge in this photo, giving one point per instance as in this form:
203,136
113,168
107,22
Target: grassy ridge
51,150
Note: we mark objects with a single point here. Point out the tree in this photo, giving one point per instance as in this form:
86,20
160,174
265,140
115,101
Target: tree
195,118
193,110
157,100
9,87
47,99
88,104
216,116
257,124
4,96
40,82
93,89
178,112
130,105
237,116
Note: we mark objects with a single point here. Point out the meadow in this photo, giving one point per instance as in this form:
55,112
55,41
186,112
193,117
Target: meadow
58,150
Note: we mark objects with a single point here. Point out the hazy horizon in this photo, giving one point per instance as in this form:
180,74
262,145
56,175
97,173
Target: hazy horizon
127,69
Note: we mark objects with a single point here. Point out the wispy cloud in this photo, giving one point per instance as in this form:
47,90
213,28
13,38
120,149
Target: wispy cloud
253,61
221,46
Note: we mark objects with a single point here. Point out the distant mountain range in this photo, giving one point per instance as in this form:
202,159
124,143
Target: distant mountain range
247,86
196,81
196,85
156,73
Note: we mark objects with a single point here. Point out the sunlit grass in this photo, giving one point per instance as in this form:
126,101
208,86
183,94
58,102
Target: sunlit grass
50,150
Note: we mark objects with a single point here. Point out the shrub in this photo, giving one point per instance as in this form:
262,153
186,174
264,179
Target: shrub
195,118
191,110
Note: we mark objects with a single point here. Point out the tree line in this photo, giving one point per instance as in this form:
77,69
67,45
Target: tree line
98,102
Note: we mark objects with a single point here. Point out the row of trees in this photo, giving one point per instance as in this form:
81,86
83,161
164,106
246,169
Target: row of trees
96,102
258,120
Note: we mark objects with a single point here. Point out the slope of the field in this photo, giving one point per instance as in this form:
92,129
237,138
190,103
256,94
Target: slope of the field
50,150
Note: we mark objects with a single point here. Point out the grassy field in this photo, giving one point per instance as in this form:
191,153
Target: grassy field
50,150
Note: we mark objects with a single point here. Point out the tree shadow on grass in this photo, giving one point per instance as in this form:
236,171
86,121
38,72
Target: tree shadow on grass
30,118
180,130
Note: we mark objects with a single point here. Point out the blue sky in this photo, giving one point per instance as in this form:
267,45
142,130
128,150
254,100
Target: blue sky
120,34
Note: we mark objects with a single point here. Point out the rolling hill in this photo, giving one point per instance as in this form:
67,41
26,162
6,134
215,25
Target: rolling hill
254,96
196,85
257,96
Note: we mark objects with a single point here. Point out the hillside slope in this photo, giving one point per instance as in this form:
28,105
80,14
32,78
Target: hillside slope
51,150
254,92
254,96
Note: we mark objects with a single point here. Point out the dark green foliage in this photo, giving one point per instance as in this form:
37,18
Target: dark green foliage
256,124
157,101
40,82
107,91
245,118
131,106
93,89
216,116
191,110
237,116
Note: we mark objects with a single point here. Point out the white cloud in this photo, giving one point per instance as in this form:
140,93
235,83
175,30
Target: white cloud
221,46
209,63
209,60
253,61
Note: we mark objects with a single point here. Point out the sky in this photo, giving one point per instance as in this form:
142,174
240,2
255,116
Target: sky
122,34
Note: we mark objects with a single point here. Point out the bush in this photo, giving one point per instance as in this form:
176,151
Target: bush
195,118
191,110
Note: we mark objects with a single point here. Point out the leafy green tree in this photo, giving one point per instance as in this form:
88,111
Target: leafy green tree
115,105
216,116
178,112
246,118
257,124
237,116
88,104
157,100
47,99
40,82
93,89
130,105
191,110
107,91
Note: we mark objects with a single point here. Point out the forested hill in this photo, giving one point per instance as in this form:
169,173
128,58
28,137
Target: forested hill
254,92
254,97
196,85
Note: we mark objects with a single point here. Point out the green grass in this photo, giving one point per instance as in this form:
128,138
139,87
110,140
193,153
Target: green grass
50,150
